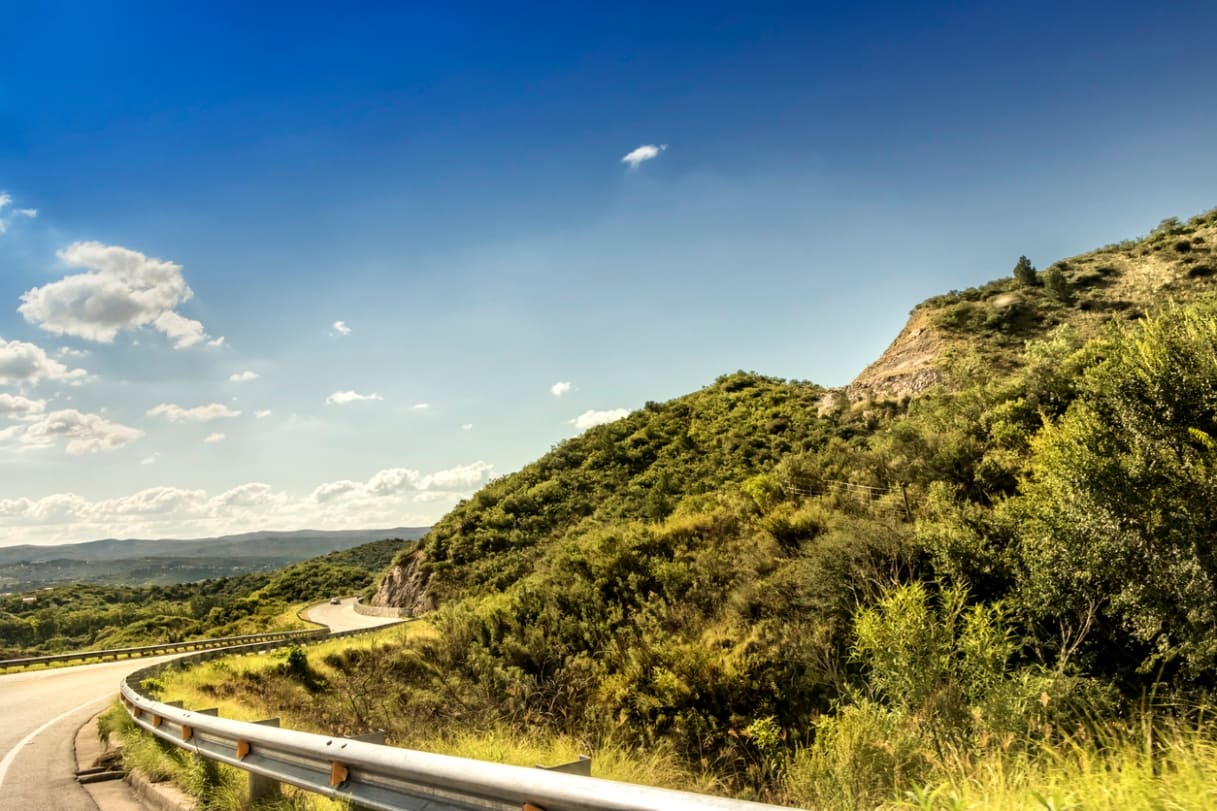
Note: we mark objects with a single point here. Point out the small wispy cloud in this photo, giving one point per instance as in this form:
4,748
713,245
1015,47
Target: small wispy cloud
213,438
7,216
344,397
420,407
150,460
17,407
560,388
467,426
645,152
589,419
243,377
216,342
341,328
263,414
203,413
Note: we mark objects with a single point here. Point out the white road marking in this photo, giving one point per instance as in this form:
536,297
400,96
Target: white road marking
12,754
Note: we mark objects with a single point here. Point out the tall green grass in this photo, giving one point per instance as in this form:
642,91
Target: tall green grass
1156,763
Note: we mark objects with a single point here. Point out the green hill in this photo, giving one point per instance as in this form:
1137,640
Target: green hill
987,566
641,467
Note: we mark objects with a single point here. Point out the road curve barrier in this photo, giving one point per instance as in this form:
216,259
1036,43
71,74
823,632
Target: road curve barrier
385,778
168,647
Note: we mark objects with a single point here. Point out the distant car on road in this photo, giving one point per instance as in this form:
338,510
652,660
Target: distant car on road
335,601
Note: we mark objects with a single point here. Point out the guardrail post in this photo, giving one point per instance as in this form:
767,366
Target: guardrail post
582,766
261,787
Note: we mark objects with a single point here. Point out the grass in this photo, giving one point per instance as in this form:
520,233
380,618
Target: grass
1162,764
196,686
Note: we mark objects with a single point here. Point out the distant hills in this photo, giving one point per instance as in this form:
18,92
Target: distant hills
166,561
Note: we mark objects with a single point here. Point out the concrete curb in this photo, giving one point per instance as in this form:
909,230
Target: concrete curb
159,796
134,792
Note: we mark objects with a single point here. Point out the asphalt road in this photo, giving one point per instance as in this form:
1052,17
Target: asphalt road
40,712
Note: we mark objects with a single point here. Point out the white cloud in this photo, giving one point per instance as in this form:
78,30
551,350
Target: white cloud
69,352
399,481
420,407
643,153
184,331
203,413
263,414
22,362
124,290
560,388
253,494
467,426
344,397
17,407
341,328
335,490
243,377
213,438
150,460
216,341
83,433
152,501
6,217
590,418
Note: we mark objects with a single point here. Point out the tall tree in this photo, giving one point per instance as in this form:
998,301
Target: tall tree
1024,272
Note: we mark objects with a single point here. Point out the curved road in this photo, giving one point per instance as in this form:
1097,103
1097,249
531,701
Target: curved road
343,617
42,710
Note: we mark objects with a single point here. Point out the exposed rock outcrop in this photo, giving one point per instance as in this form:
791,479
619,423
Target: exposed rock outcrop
906,368
405,585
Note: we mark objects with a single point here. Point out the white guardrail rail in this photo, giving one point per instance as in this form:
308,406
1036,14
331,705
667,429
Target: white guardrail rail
386,778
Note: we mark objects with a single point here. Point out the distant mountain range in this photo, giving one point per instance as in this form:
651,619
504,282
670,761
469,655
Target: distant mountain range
146,562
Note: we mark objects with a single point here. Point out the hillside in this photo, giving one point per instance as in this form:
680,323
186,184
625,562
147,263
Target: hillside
1176,261
851,602
640,467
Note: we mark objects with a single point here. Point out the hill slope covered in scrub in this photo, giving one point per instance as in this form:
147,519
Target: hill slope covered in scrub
957,599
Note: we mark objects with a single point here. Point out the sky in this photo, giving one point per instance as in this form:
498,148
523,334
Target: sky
283,266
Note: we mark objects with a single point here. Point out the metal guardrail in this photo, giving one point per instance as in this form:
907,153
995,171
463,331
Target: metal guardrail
386,778
168,647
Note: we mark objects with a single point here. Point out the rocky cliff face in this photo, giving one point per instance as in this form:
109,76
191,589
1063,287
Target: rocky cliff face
906,368
405,585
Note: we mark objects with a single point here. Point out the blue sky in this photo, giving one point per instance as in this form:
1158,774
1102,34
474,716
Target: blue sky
448,182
